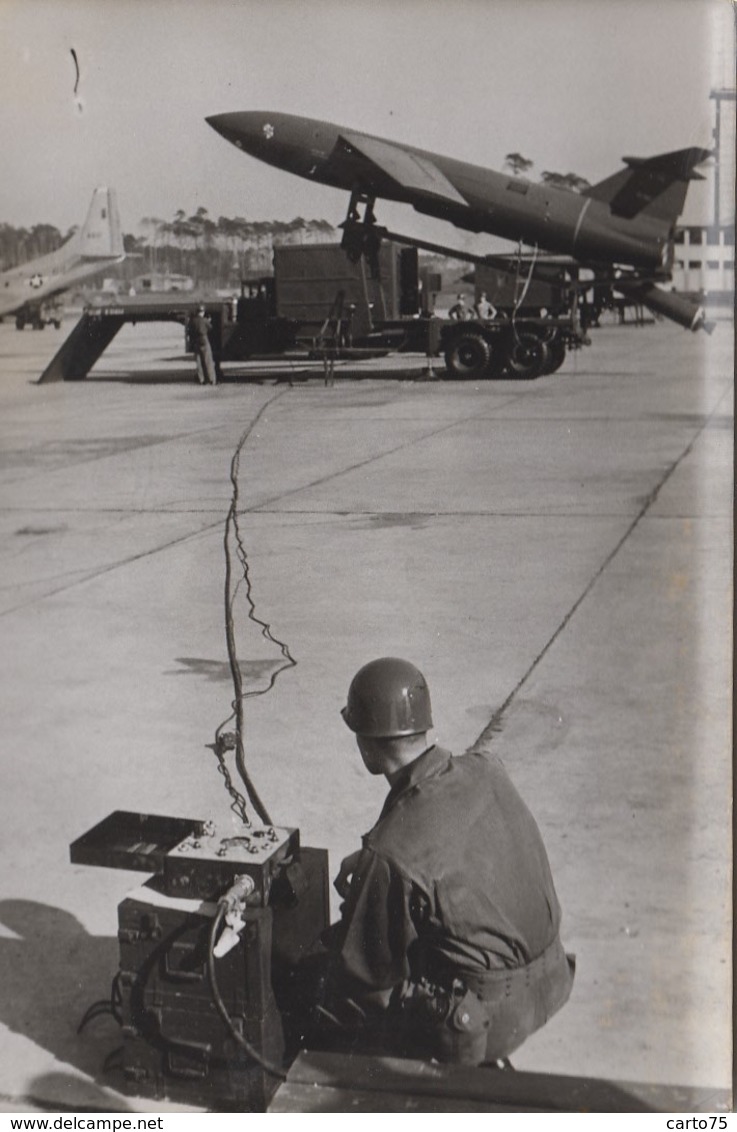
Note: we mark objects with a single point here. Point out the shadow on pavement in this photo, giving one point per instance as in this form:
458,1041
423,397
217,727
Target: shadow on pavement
51,970
187,377
144,377
253,672
59,1092
271,376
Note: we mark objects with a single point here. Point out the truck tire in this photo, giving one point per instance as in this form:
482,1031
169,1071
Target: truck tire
527,356
468,356
20,322
556,348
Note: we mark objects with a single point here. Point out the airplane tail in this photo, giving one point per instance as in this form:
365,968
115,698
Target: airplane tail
651,186
100,236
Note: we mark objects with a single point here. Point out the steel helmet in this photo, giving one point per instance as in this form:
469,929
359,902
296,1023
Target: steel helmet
388,698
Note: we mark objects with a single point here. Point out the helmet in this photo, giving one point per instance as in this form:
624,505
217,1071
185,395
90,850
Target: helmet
388,698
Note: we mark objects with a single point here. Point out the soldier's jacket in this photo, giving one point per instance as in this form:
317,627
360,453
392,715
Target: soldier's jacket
453,878
201,327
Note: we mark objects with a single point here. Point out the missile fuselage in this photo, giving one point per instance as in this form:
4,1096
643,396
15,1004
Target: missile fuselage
470,196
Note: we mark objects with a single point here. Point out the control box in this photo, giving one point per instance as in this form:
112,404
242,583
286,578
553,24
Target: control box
193,858
175,1042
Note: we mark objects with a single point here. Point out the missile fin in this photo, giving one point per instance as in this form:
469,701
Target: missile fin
655,186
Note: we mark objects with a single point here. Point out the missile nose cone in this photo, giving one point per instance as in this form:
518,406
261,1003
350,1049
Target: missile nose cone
286,141
214,121
230,126
249,130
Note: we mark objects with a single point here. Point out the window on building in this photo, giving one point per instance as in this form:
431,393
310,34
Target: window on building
680,264
694,264
696,235
679,236
729,264
729,235
712,264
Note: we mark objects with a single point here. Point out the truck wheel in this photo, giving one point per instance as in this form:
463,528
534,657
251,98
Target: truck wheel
20,322
527,356
468,356
556,355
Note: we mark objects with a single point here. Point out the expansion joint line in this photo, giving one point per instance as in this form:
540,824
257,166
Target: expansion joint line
223,742
494,724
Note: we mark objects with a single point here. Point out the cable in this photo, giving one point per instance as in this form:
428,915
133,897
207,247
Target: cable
222,743
269,1067
525,289
109,1005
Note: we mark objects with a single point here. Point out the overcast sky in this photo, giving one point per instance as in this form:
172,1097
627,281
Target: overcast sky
572,84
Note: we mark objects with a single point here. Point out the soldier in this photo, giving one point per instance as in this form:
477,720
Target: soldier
448,944
459,312
484,308
200,336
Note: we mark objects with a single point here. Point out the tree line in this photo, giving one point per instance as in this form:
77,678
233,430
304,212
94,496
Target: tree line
571,181
18,245
214,253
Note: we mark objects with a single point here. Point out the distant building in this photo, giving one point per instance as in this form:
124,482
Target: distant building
704,253
162,282
704,261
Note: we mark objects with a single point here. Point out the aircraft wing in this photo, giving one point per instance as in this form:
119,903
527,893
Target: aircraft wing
411,171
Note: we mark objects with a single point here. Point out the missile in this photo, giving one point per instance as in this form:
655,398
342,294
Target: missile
626,220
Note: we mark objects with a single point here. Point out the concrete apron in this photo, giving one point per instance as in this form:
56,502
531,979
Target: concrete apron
561,547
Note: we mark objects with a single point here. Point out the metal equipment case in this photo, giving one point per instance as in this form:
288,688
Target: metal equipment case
175,1042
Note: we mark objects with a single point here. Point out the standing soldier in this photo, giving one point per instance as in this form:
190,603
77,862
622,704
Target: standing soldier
200,326
459,312
485,309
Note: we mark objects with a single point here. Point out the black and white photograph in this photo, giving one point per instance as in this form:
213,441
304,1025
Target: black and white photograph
366,533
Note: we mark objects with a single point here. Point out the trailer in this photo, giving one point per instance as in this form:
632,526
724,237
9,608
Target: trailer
325,302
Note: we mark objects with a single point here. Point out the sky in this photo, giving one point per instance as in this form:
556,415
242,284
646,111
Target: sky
573,85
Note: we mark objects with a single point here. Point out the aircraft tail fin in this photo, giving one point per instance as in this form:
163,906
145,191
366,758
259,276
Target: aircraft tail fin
100,236
651,186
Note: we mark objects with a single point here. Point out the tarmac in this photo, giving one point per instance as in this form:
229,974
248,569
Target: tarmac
556,555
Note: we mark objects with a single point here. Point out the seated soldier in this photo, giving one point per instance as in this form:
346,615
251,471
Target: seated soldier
448,944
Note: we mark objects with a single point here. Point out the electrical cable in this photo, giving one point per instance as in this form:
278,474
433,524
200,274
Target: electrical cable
217,998
517,268
519,301
232,534
102,1006
109,1005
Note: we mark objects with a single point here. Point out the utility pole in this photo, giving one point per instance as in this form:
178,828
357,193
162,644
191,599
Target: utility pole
723,94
